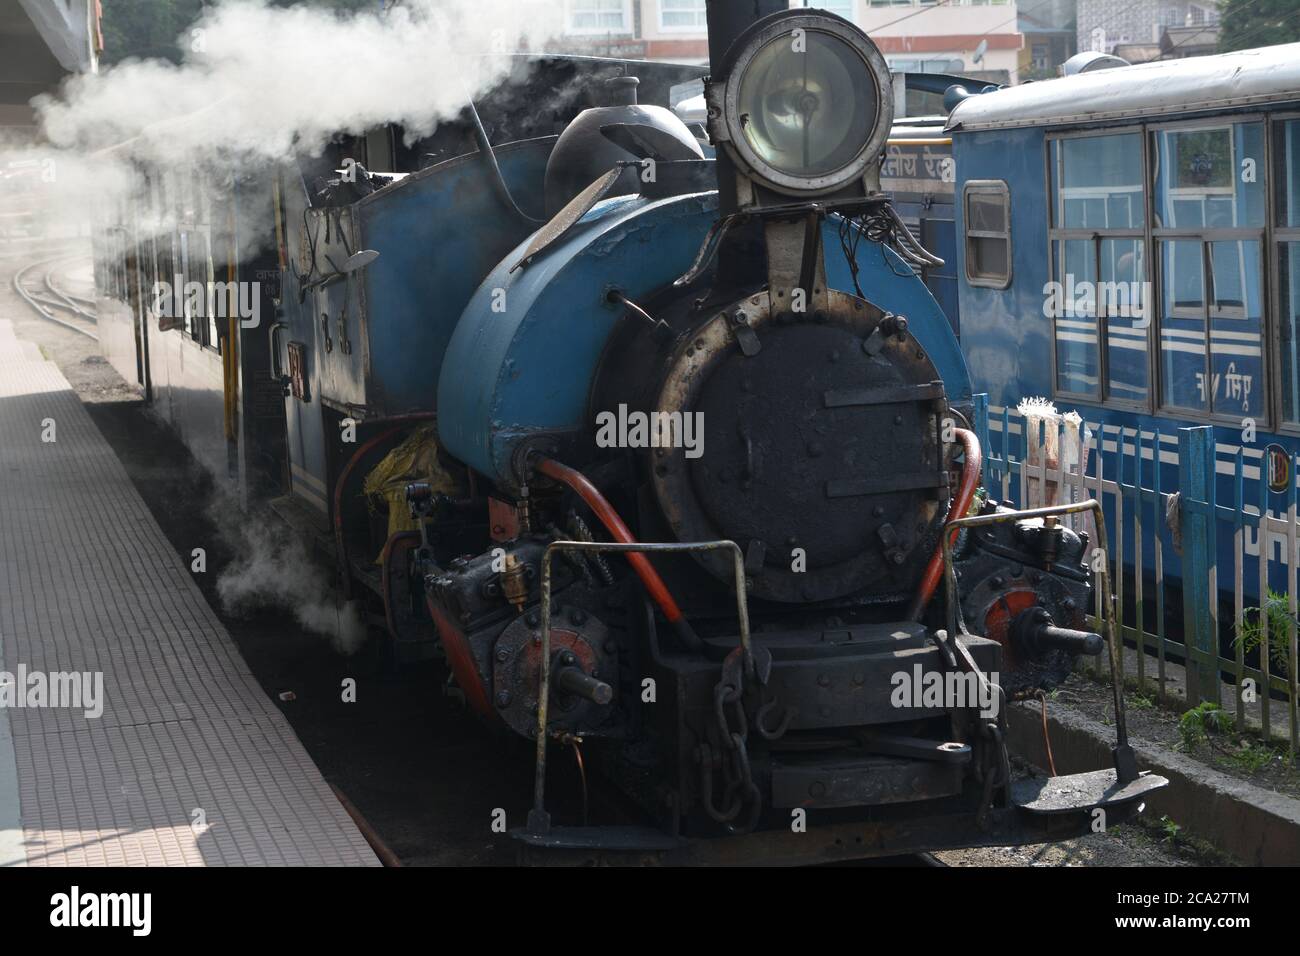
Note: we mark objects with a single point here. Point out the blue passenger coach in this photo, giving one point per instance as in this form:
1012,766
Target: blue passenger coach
1129,245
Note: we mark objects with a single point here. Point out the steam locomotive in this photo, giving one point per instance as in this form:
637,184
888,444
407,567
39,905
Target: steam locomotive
697,461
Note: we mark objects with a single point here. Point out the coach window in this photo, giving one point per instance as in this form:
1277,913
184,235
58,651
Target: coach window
1286,233
1210,211
1099,273
988,233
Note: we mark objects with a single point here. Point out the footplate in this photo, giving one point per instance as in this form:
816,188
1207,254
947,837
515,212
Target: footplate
1080,791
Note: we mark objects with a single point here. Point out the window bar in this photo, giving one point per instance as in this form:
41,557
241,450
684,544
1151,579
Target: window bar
1206,280
1100,318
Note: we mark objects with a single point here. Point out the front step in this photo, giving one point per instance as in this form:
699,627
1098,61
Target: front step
1080,791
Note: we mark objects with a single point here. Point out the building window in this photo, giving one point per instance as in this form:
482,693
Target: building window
926,66
685,15
843,8
1099,293
599,16
1210,212
987,206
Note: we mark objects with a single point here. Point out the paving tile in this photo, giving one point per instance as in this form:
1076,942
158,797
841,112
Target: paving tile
88,582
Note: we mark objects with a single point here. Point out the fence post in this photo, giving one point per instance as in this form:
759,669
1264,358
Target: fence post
1196,479
980,408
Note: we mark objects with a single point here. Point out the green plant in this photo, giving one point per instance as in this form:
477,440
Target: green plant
1197,724
1173,832
1250,634
1251,756
1140,701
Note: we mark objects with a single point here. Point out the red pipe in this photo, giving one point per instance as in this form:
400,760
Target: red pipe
340,545
618,531
970,479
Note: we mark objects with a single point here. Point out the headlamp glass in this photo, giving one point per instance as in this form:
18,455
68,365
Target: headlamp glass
810,111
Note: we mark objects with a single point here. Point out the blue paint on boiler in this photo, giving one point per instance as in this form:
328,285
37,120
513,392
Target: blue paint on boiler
528,366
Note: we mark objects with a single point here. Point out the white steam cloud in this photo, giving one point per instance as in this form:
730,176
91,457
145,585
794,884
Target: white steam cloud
277,571
261,84
264,82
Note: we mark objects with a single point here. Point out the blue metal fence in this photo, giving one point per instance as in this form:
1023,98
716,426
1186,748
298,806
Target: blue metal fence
1189,527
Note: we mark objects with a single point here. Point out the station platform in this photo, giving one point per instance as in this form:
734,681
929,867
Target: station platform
189,763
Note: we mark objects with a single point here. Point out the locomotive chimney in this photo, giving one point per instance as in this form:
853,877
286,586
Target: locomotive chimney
726,20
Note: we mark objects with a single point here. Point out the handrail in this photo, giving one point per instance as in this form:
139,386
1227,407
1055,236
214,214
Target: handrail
539,821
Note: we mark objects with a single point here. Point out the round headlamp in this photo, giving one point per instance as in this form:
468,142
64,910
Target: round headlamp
806,103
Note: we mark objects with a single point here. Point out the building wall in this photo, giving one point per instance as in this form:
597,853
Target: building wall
674,30
950,32
1104,23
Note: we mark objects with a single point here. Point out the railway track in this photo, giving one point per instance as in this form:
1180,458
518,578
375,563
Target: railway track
35,283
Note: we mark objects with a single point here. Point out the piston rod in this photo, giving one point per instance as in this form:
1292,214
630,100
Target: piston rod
1037,633
574,680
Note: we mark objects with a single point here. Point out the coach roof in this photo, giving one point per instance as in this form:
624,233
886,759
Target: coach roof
1195,84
